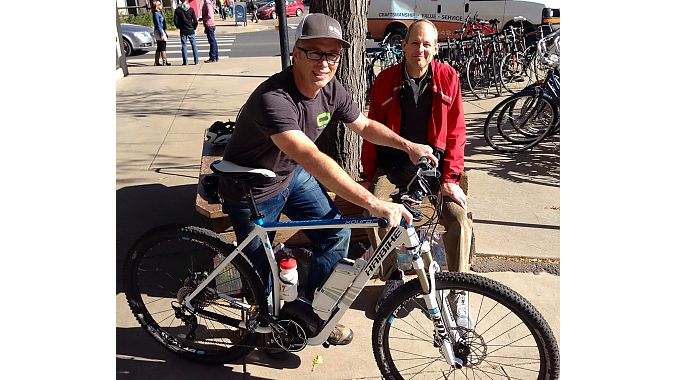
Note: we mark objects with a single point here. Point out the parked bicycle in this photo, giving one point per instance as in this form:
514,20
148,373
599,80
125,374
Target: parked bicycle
483,69
514,73
388,53
525,119
198,296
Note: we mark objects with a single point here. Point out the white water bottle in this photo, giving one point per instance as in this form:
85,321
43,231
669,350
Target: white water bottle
288,274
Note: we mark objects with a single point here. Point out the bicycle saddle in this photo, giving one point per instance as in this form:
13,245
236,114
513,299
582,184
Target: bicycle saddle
230,169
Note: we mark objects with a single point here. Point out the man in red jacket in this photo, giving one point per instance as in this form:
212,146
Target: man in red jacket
420,99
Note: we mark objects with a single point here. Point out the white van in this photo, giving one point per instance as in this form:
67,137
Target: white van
394,16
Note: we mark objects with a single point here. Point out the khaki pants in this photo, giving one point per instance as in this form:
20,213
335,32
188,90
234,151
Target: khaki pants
457,238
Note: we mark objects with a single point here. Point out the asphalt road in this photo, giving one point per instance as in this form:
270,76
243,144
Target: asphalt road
263,43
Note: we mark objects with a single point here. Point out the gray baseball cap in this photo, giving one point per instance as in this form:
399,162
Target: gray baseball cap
319,25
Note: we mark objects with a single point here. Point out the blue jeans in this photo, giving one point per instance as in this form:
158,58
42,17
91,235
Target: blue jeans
213,45
184,48
303,199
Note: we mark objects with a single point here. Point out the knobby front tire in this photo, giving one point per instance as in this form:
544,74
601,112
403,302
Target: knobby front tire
509,340
164,266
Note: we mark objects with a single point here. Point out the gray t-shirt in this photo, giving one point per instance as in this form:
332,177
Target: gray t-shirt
274,107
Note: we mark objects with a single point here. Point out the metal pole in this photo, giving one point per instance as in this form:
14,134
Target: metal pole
280,8
122,59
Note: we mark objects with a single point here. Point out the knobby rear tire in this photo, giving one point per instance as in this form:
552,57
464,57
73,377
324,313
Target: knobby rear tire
164,266
510,338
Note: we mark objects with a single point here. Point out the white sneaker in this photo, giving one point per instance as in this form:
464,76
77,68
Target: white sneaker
460,307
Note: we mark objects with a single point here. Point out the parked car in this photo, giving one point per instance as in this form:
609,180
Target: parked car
292,8
136,37
259,4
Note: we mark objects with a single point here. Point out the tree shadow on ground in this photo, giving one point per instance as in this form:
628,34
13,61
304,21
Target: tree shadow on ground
138,356
141,208
539,165
203,74
166,103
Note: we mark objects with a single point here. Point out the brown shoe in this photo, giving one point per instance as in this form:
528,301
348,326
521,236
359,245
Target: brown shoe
340,335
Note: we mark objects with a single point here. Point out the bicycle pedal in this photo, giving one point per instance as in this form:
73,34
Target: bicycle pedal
258,329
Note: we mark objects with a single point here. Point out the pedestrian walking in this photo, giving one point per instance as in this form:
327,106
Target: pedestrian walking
160,33
210,30
186,21
221,9
227,8
254,12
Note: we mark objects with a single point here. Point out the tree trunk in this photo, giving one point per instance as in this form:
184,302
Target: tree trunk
338,141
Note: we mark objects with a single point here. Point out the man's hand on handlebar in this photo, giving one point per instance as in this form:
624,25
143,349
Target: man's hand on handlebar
393,212
416,151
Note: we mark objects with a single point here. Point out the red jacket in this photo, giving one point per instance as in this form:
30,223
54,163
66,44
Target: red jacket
446,129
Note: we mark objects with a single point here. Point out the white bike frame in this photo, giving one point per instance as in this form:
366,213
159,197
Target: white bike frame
396,236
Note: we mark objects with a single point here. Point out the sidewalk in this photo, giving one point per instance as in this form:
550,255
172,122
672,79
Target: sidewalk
161,116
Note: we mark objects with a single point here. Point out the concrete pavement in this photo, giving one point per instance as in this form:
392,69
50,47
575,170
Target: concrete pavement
161,116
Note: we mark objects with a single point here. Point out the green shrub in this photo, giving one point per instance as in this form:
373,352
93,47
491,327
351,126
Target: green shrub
146,19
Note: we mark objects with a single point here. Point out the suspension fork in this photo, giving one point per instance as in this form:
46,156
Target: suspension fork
441,317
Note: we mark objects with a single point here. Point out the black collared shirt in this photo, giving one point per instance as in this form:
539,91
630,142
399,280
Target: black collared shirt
416,106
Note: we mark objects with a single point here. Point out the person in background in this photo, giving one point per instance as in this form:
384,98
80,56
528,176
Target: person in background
160,33
210,30
254,12
186,21
221,9
420,99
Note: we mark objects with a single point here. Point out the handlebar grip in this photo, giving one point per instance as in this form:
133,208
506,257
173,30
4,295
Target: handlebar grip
382,223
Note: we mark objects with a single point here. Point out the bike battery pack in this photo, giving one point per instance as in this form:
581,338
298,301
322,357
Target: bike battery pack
328,295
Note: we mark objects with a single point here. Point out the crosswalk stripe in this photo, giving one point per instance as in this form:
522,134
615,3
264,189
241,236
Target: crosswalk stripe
178,43
203,38
198,50
203,44
172,60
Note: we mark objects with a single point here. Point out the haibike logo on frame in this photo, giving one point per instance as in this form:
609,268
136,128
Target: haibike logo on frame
385,248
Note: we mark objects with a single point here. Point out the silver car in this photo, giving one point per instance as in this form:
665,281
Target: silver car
136,37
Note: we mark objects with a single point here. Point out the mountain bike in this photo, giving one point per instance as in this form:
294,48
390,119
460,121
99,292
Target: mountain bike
198,296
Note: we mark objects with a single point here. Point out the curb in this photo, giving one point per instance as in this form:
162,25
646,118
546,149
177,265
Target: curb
485,263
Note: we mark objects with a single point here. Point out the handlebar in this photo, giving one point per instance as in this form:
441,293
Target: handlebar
419,187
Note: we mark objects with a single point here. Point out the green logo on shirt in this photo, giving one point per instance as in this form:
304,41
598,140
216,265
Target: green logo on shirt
323,119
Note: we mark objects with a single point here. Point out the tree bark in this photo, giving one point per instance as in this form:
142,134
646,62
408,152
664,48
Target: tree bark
338,141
